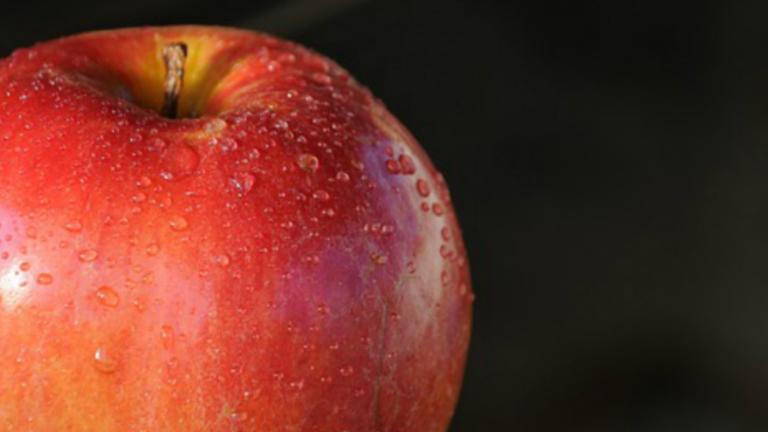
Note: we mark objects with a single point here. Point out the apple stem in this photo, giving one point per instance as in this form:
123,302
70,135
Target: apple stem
174,56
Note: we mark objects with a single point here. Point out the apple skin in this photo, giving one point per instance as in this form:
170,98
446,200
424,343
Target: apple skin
284,258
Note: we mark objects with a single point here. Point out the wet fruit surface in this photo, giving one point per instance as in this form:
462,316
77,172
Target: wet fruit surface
263,263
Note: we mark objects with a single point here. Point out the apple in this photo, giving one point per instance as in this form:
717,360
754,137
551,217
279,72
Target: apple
210,229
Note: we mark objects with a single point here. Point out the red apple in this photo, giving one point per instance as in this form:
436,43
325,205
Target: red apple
281,257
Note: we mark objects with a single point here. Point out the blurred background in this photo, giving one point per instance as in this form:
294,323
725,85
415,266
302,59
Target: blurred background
609,164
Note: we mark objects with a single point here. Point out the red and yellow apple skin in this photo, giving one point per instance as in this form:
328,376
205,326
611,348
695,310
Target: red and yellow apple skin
283,258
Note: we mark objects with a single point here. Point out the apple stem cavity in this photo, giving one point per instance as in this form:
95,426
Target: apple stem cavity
174,56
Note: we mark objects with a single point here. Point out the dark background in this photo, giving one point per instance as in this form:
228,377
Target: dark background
609,165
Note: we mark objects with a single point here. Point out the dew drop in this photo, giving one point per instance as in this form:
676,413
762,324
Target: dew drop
342,176
178,223
167,336
321,195
243,182
223,260
107,296
74,226
152,249
308,162
25,266
406,164
438,209
392,166
445,233
346,371
44,279
87,255
144,182
445,278
321,78
103,361
422,188
181,161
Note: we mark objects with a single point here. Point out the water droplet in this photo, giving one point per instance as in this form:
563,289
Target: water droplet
392,166
308,162
214,126
181,161
445,233
222,260
87,255
406,164
107,296
321,78
438,209
139,197
31,232
379,258
152,249
178,223
346,371
74,226
25,266
243,182
422,187
144,182
424,206
342,176
103,361
166,334
445,278
321,195
44,279
411,267
157,144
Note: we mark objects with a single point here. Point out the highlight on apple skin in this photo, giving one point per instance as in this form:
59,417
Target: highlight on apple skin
282,256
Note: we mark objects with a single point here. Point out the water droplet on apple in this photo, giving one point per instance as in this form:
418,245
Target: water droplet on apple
167,336
223,260
25,266
445,278
406,164
87,255
422,188
346,371
321,195
152,249
44,279
379,259
103,361
438,209
107,296
342,176
411,267
157,144
144,182
181,161
178,223
74,226
321,78
392,166
308,162
215,126
445,233
243,182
